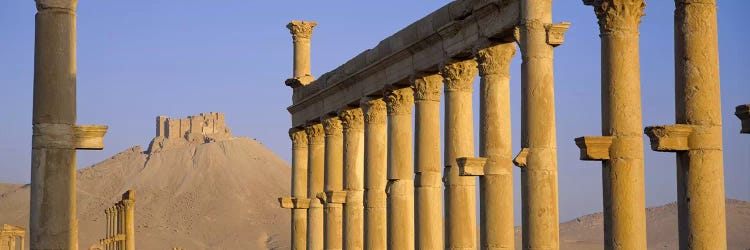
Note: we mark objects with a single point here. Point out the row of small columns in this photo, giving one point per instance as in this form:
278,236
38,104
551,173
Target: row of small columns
382,175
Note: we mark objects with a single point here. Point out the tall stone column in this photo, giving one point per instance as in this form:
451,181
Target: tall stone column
334,178
460,191
427,166
399,104
128,202
354,168
696,138
301,34
620,146
53,222
376,168
496,184
538,156
315,174
298,202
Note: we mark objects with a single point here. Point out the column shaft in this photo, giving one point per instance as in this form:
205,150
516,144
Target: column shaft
427,166
700,171
299,186
301,34
622,174
460,191
334,178
316,162
376,168
400,190
53,223
354,145
496,185
129,225
538,136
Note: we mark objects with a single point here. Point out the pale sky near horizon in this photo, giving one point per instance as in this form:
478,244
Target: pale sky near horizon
140,59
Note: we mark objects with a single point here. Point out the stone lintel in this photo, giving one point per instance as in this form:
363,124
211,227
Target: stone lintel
743,112
471,166
594,148
336,197
669,138
520,159
90,137
556,33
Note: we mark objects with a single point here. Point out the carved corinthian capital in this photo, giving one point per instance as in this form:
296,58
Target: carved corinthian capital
373,109
459,76
428,88
399,101
299,138
315,134
56,4
301,30
495,60
618,15
352,119
333,126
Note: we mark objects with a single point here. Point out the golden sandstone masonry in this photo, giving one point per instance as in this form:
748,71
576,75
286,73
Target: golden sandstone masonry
404,75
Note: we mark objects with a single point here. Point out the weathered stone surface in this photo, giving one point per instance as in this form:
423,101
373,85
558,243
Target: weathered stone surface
743,112
594,148
12,237
450,32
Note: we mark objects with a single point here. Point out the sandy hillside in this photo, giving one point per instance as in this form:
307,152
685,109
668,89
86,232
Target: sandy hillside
219,195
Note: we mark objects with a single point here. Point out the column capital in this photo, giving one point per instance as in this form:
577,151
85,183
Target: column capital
333,126
459,76
743,112
315,134
56,4
301,30
618,15
495,60
399,101
427,88
299,138
352,119
373,110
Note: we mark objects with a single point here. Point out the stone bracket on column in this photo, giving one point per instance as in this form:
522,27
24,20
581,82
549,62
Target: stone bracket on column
556,33
89,137
669,138
594,148
471,166
336,197
294,202
743,112
520,159
300,81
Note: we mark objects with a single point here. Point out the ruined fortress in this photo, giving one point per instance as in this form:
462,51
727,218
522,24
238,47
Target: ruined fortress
201,128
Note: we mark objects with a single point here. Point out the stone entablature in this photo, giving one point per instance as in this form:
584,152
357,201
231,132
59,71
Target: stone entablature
451,32
12,237
201,128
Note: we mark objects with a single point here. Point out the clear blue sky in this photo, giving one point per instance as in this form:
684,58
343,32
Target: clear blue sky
140,59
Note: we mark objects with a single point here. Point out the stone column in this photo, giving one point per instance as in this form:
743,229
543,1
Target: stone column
399,104
301,34
299,187
354,168
427,166
537,37
376,168
697,135
53,223
334,178
315,170
620,147
128,202
460,191
743,112
496,184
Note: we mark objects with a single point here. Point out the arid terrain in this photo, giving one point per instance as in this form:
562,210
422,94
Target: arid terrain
223,195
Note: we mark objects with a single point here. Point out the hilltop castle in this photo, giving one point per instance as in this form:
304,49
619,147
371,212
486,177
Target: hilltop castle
201,128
